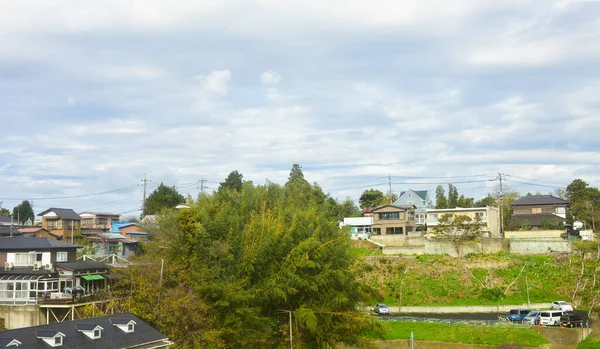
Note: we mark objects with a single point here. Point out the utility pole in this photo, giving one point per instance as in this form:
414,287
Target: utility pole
145,184
390,186
201,182
412,340
501,206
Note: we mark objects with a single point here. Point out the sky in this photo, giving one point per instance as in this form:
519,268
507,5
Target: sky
96,95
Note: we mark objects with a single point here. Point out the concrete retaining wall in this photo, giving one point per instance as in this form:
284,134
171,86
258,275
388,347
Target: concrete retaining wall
533,234
399,240
405,250
463,309
22,316
539,246
486,245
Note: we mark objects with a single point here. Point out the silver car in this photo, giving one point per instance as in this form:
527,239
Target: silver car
533,318
381,309
560,305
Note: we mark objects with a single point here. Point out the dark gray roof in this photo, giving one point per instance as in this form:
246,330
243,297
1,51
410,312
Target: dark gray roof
421,193
5,219
5,230
63,213
120,321
540,200
534,219
86,327
46,333
82,265
5,341
403,207
112,336
27,243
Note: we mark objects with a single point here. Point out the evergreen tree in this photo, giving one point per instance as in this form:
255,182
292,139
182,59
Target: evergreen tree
23,212
233,181
162,198
440,198
452,196
371,198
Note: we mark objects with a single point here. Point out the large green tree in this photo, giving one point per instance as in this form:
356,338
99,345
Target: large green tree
237,264
161,198
584,201
440,197
458,230
452,196
233,181
371,198
23,212
4,211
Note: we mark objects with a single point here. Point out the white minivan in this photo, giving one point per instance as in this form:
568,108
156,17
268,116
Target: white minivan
550,317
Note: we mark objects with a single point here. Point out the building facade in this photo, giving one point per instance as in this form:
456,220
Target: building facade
392,219
490,216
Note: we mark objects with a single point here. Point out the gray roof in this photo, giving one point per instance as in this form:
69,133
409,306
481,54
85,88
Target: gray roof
27,243
63,213
421,193
82,265
540,200
6,230
6,219
112,336
535,219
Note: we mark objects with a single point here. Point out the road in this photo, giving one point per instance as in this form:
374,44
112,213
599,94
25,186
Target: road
466,316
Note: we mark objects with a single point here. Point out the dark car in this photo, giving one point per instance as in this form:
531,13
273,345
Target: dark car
571,320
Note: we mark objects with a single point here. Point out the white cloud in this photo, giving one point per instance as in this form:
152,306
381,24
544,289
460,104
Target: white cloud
70,101
270,78
217,81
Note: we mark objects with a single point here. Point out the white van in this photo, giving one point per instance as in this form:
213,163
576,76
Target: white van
550,317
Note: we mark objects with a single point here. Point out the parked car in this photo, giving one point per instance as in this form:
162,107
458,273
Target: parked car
533,318
362,236
571,320
550,317
518,314
560,305
381,309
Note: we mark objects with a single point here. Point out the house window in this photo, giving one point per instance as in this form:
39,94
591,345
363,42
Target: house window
389,215
411,216
536,210
21,259
130,328
560,210
57,340
434,216
97,334
52,225
377,231
62,256
481,214
394,230
71,224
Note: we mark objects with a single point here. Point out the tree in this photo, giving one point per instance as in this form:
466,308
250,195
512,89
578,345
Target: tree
391,198
458,230
233,181
161,198
296,174
489,200
371,198
348,208
584,201
452,196
465,202
23,212
234,262
440,198
4,211
131,219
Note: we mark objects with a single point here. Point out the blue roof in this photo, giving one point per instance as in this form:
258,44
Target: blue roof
118,225
138,233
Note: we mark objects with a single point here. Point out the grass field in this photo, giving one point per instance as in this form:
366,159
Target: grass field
470,334
589,343
472,280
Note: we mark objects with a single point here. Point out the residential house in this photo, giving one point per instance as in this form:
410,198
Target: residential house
62,222
392,219
539,211
98,220
358,224
37,232
490,216
418,198
105,244
39,267
7,231
123,330
131,231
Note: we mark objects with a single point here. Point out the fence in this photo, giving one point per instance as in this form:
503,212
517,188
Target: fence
498,322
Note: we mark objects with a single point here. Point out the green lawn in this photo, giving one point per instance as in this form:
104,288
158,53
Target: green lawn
471,334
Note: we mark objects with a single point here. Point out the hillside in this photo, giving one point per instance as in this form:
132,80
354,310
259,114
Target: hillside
479,279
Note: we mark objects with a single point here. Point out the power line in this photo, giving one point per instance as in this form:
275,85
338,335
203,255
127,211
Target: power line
74,196
531,179
534,184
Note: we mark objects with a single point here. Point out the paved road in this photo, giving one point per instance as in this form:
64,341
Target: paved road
466,316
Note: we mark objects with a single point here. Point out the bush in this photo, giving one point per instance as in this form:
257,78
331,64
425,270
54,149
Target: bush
492,294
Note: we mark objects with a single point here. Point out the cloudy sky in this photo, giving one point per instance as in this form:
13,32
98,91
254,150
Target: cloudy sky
95,94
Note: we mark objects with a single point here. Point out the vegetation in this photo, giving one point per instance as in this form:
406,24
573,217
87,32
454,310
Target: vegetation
472,334
584,201
371,198
239,261
162,198
589,343
3,211
458,230
453,200
23,212
482,279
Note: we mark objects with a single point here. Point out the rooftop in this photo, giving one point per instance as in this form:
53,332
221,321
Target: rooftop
540,200
26,243
63,213
420,193
82,266
111,337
